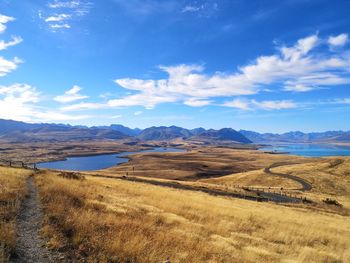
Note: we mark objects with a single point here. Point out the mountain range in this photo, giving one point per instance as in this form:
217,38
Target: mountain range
297,137
16,131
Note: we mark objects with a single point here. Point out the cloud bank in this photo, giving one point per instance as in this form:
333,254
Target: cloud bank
60,14
302,67
8,65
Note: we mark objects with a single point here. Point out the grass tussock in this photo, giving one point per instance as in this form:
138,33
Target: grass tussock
107,220
12,191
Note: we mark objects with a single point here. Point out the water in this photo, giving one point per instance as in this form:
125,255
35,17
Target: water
97,162
310,150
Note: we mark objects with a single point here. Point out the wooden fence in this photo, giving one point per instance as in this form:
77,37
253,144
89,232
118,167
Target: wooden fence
17,164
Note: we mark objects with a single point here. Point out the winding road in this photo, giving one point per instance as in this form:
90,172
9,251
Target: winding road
306,186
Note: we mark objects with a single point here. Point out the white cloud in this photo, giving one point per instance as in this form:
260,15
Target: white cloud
238,104
298,68
71,95
190,8
148,100
84,106
298,88
137,113
342,101
60,26
302,47
58,18
20,102
61,11
338,41
7,66
15,40
3,21
116,117
64,4
77,7
275,105
205,9
264,105
197,102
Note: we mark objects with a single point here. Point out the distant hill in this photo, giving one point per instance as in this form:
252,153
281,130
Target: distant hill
172,132
122,129
198,131
7,126
225,134
297,137
164,133
14,131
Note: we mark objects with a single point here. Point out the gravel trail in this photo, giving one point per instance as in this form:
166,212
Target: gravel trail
30,245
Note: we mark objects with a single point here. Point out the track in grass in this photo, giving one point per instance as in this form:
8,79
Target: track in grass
30,245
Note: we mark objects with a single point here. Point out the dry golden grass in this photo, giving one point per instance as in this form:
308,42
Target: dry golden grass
201,163
110,220
12,191
330,178
256,178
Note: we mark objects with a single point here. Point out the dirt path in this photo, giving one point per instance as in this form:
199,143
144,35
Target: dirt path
306,186
30,246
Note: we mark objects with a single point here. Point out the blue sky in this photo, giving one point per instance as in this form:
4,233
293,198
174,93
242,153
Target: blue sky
268,66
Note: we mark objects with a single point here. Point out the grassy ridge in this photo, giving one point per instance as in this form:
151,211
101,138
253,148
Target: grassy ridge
12,191
106,220
330,178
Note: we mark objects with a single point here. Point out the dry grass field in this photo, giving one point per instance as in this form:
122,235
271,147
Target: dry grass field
96,219
110,220
330,178
204,162
12,191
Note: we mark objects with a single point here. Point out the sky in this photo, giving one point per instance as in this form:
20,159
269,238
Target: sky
262,65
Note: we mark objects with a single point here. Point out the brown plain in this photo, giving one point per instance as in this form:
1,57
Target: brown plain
114,220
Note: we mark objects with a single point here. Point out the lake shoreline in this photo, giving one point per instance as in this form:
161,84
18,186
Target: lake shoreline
121,156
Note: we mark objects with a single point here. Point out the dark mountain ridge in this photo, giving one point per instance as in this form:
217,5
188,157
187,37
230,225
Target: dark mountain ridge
297,137
17,131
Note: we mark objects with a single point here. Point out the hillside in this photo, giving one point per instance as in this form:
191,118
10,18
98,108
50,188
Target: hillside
50,132
168,133
225,134
136,222
164,133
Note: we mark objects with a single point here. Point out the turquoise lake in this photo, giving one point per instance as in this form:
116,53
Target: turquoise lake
310,150
97,162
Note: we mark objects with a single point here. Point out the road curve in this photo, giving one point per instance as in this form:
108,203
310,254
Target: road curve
306,186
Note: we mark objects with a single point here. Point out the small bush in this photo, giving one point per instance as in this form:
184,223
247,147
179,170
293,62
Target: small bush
330,201
71,175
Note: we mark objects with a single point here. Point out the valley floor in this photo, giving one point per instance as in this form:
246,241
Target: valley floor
156,215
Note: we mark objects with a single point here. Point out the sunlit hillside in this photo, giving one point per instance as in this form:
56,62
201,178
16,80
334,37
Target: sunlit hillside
113,220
